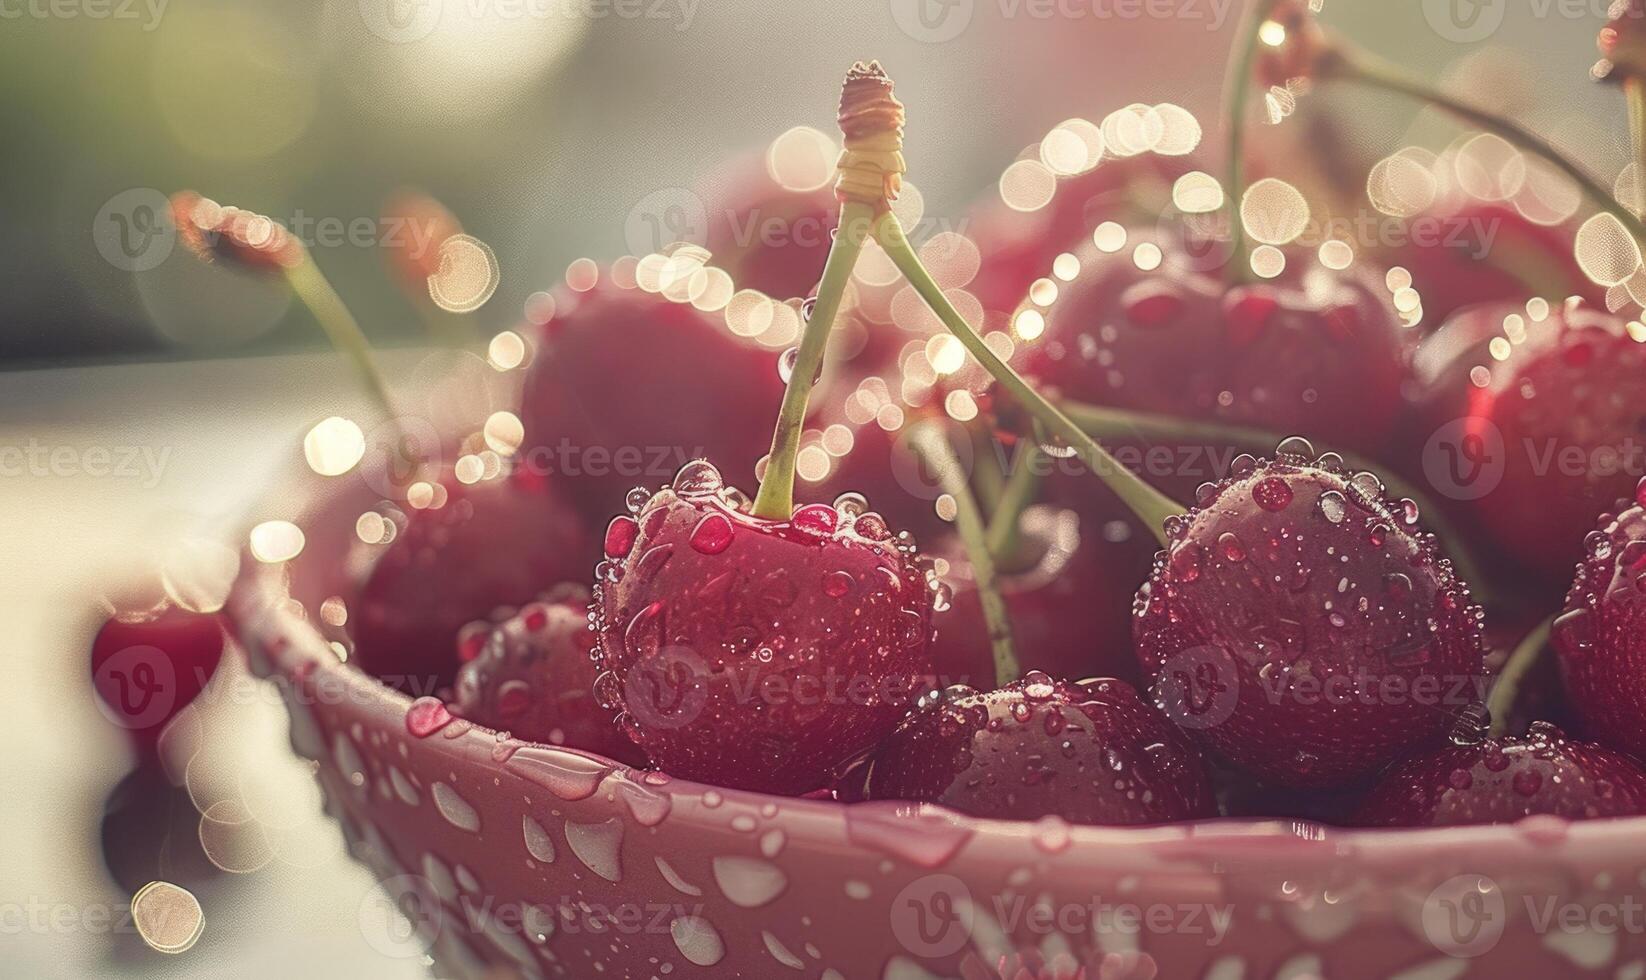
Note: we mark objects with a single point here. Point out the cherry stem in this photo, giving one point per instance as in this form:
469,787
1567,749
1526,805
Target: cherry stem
1237,89
342,329
1150,505
1527,653
987,474
1113,423
776,498
1006,522
1634,96
929,440
1357,66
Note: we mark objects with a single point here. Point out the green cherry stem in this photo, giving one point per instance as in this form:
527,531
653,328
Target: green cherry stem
776,498
1237,90
1150,505
1512,678
1634,96
1350,64
929,440
315,291
1113,423
1006,521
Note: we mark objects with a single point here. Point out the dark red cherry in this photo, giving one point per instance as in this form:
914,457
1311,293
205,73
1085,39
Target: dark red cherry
148,667
1302,626
1016,248
1500,780
768,237
1090,752
534,678
486,546
1068,593
627,386
1149,324
1538,421
1600,637
759,654
1474,252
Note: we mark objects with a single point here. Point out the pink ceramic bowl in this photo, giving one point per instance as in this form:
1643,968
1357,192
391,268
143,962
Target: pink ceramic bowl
515,858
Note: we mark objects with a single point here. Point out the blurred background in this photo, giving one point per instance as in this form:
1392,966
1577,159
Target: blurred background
554,130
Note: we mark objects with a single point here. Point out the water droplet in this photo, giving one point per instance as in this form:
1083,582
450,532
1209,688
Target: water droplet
872,527
427,716
568,775
817,520
851,505
1527,782
838,584
1409,513
1296,447
698,478
620,536
597,846
1231,547
697,940
652,561
712,535
457,811
637,499
786,363
538,843
748,882
1272,494
1333,506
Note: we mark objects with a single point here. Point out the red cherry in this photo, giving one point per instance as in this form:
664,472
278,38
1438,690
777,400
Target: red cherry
1315,351
147,668
535,679
769,238
1500,780
627,386
490,545
1480,252
1068,595
1558,426
1601,636
759,654
1018,248
1313,643
1090,753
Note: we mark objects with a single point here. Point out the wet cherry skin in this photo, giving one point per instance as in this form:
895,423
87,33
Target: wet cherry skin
146,668
753,653
533,677
490,545
1091,752
1600,637
1500,780
1303,628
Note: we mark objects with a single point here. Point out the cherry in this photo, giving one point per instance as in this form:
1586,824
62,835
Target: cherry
753,653
534,677
767,237
1017,248
1303,628
1090,752
1483,252
492,544
1067,593
1315,351
1499,780
147,668
1600,638
627,386
1549,404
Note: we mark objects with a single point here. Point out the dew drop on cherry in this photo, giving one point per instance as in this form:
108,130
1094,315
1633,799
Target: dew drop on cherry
1231,546
697,479
712,535
620,536
1296,447
817,520
1333,506
1272,494
838,584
